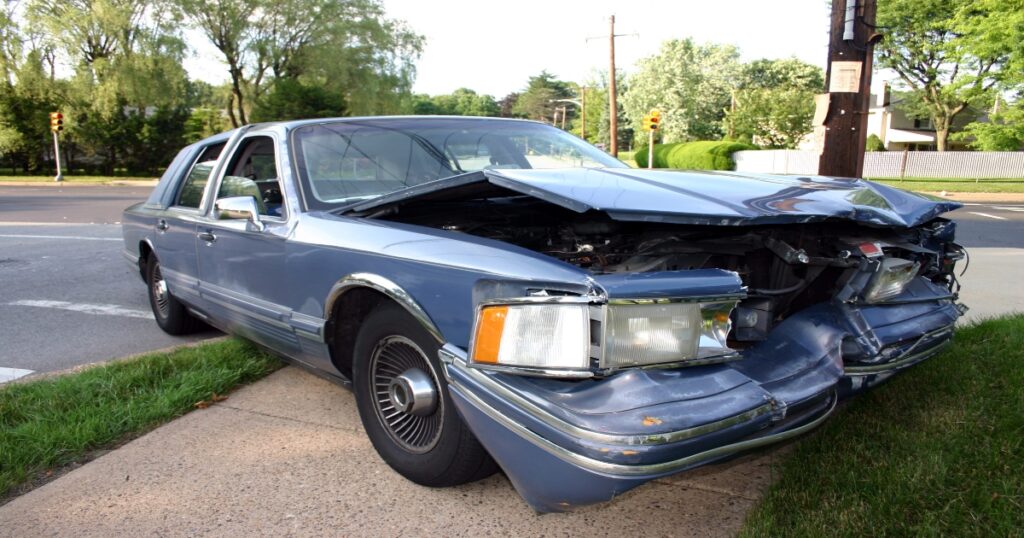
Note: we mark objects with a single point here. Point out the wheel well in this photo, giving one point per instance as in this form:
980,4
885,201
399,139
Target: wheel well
347,315
145,251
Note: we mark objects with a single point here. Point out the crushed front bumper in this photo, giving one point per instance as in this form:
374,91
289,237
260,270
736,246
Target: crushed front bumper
569,443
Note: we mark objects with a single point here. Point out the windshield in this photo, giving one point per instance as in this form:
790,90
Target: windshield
358,159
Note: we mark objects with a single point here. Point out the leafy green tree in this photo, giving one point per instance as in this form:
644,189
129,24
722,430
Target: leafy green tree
540,98
774,102
461,102
345,46
1003,132
289,99
949,54
689,84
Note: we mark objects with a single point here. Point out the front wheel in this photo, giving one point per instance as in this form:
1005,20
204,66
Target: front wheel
405,406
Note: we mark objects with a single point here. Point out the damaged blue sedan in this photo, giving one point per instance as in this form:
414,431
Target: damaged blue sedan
500,294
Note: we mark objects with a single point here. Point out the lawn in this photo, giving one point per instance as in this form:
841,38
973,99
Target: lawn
51,422
89,180
938,451
955,185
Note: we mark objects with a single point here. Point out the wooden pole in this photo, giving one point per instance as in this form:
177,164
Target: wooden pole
583,112
848,80
613,106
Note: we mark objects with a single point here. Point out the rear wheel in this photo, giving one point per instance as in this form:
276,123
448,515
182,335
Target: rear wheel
171,315
405,406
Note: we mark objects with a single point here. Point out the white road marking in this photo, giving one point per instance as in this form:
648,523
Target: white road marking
75,237
10,374
1019,209
98,309
980,214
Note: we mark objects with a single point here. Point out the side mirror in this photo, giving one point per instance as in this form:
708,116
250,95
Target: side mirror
240,208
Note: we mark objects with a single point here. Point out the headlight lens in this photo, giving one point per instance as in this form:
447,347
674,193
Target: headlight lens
665,332
893,275
650,333
543,336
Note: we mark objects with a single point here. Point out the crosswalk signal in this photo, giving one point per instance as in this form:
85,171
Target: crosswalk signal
56,122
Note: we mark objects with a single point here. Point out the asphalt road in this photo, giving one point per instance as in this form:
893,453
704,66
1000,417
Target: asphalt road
67,296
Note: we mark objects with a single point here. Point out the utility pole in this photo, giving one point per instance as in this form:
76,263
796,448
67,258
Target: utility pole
848,81
583,112
563,117
613,103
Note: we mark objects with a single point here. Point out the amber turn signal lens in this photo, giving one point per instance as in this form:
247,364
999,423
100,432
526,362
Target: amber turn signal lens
487,341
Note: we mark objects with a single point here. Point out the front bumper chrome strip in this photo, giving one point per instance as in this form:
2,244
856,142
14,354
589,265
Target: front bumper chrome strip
908,357
453,357
651,469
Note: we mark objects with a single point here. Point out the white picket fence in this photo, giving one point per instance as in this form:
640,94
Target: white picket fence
946,164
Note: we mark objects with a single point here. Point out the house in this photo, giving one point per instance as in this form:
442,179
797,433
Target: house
898,132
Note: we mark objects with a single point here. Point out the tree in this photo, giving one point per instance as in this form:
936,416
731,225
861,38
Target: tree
539,100
345,46
1003,132
690,84
774,103
949,54
461,102
507,104
289,99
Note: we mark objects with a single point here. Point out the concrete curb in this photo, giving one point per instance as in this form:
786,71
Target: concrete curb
82,367
982,197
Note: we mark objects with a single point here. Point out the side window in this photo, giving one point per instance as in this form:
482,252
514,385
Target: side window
252,171
191,192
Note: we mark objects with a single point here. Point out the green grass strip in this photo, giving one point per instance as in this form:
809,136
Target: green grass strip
956,185
55,421
938,451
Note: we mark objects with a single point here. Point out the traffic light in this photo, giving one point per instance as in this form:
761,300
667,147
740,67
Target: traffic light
652,120
56,122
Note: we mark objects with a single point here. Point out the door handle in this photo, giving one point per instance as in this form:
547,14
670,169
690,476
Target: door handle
209,237
161,225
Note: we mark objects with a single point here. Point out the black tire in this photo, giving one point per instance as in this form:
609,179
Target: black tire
171,315
391,340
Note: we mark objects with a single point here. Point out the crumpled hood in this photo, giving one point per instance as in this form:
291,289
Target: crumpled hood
693,197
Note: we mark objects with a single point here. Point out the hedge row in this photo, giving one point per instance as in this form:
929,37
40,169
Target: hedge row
703,155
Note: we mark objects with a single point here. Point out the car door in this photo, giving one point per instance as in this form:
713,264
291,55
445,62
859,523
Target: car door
242,277
175,228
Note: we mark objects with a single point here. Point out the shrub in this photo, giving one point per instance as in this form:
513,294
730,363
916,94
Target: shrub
702,155
874,143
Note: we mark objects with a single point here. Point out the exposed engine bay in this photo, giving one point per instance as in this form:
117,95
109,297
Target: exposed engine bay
785,268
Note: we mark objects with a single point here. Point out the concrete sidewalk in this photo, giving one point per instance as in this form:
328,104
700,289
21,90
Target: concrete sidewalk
288,456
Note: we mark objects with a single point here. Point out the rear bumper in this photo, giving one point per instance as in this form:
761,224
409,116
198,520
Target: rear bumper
569,443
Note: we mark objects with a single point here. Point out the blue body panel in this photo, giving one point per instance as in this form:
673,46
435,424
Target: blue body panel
562,443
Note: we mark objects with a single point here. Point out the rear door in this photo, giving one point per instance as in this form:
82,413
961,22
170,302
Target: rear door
174,240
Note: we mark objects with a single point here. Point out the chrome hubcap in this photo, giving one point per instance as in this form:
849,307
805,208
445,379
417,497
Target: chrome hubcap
413,392
405,389
160,295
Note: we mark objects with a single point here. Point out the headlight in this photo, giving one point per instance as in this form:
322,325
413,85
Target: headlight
892,276
533,336
569,337
659,331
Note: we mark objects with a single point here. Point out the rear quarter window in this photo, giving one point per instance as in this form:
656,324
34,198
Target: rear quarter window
192,186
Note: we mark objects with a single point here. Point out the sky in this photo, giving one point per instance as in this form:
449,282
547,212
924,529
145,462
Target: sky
493,48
